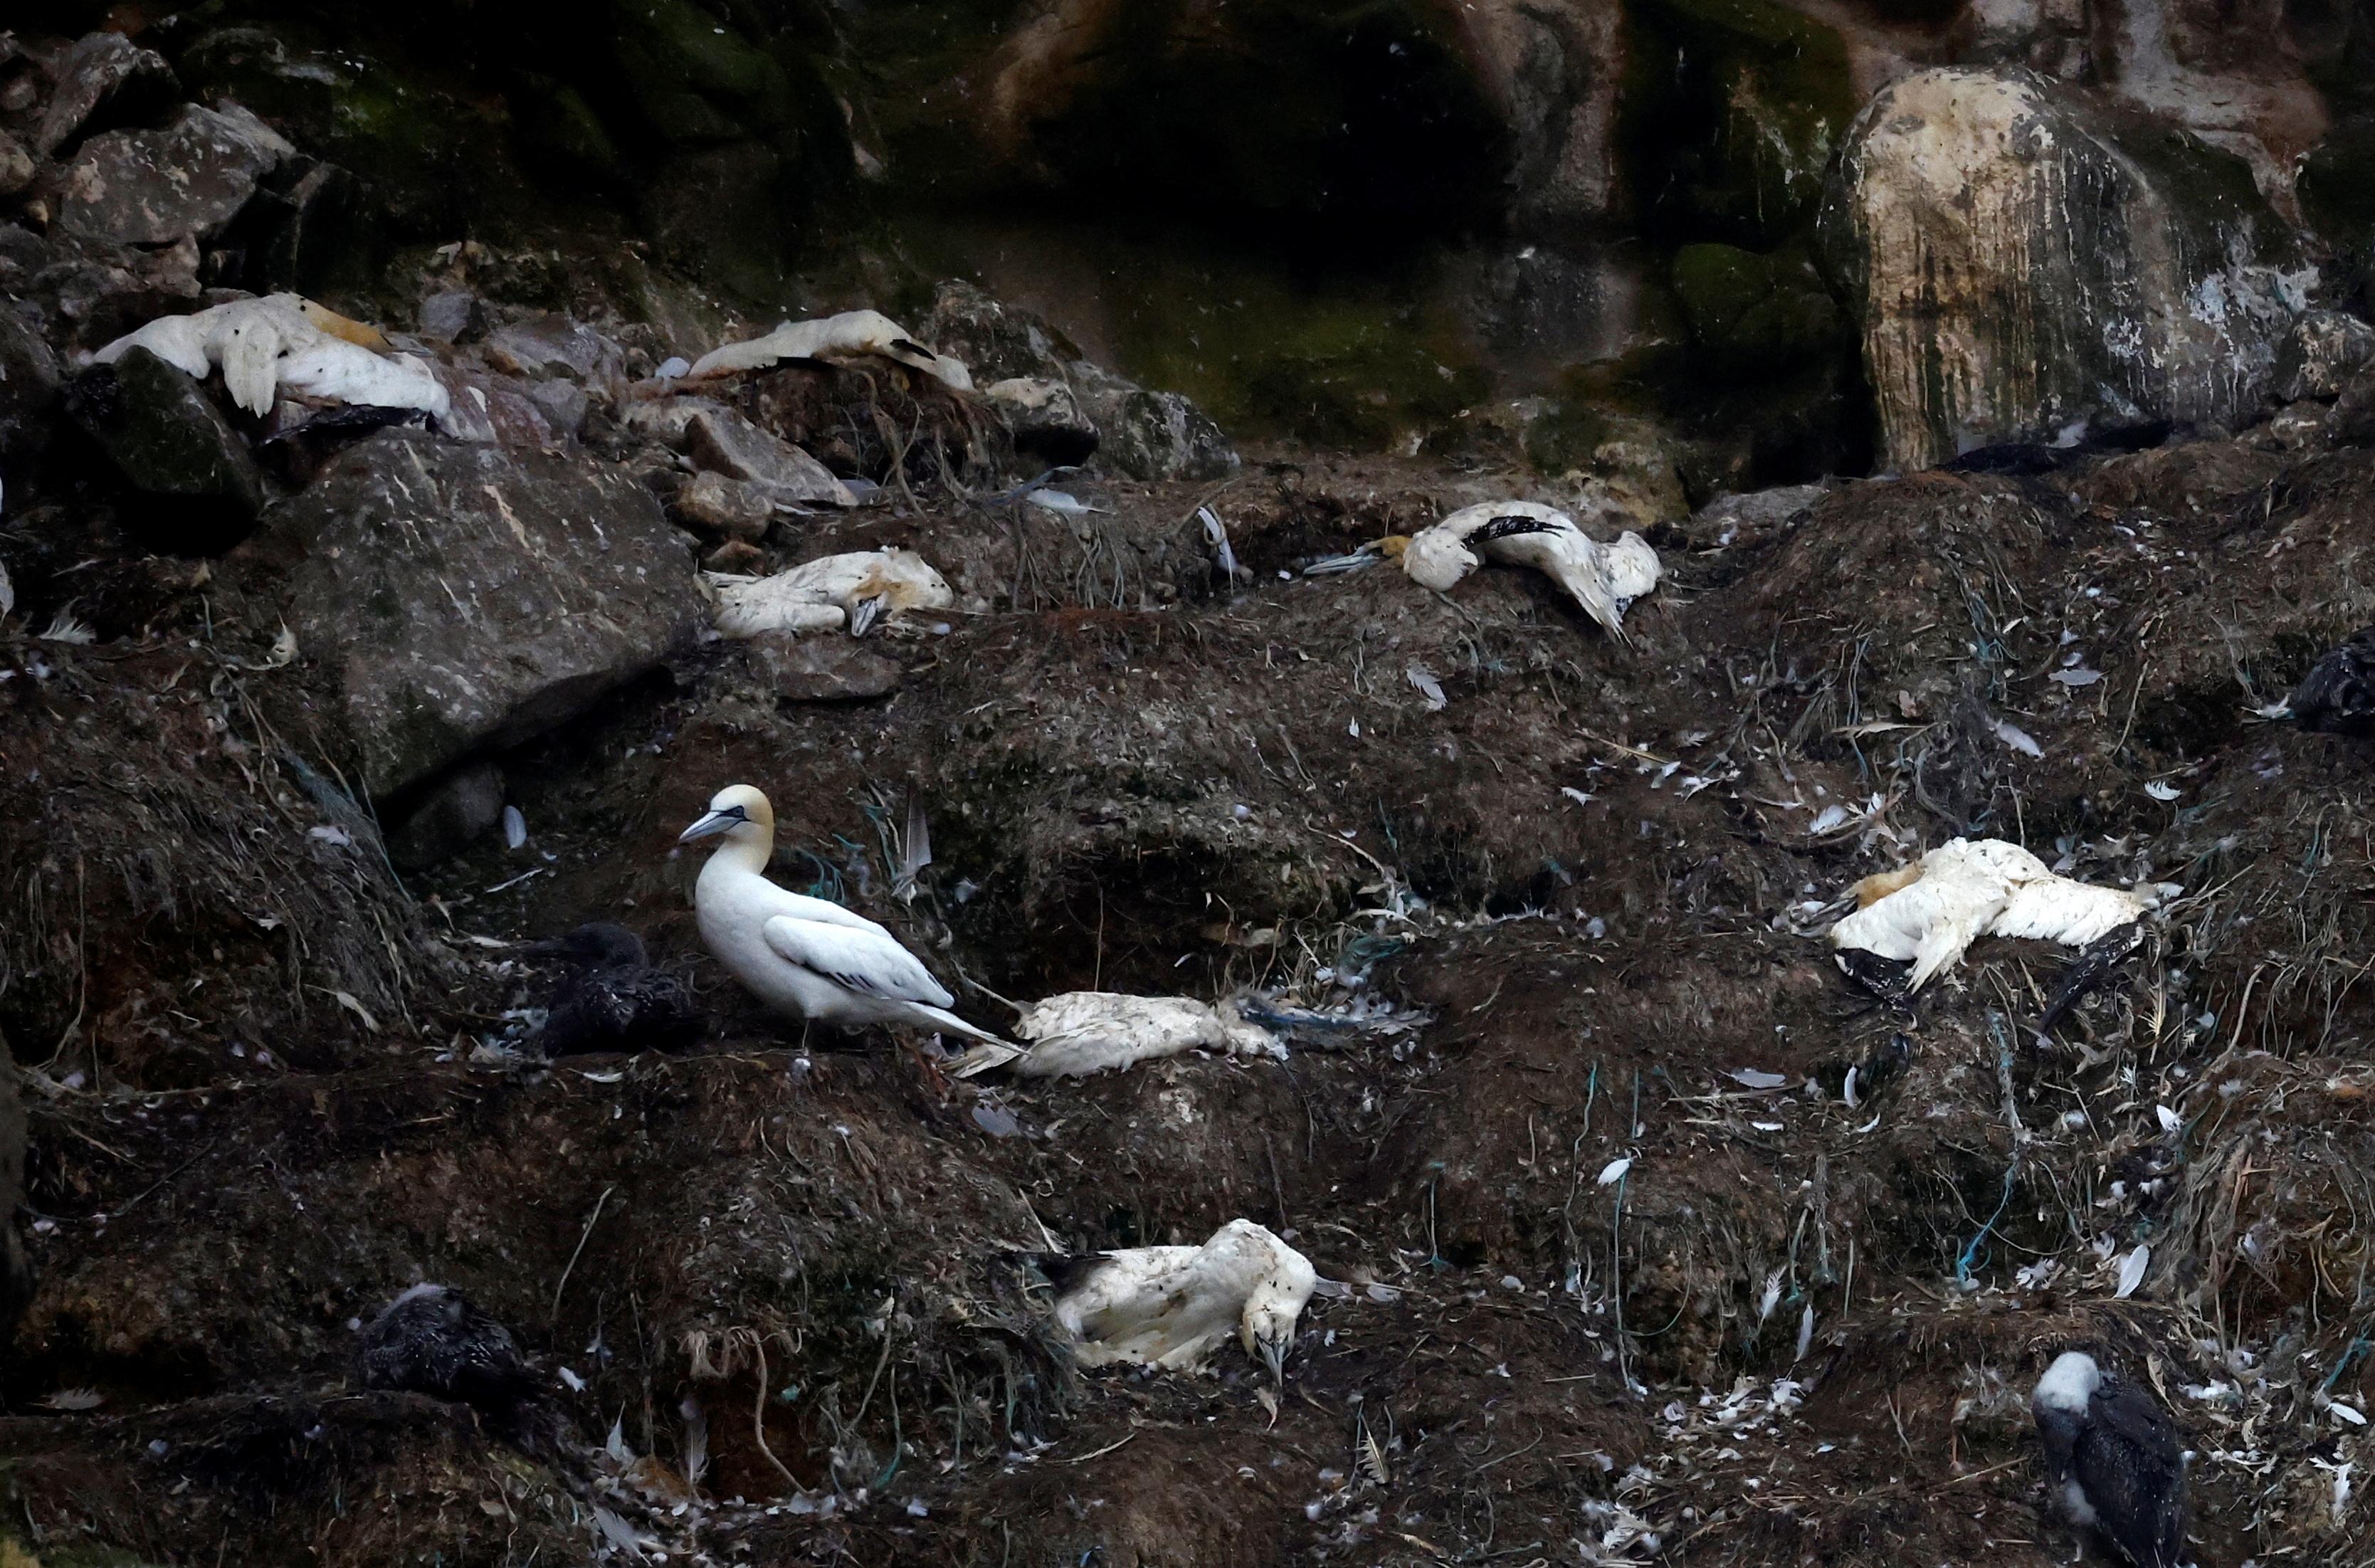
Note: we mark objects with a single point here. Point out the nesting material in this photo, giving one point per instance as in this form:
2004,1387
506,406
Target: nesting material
831,340
832,593
1603,579
1929,912
1172,1307
1079,1033
285,345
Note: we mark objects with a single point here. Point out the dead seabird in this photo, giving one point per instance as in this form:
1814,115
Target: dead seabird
2337,696
1929,912
612,998
806,958
287,344
1603,579
833,338
1076,1033
1172,1307
2112,1461
850,591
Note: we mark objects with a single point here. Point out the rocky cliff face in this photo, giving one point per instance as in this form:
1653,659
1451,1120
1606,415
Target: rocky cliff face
1647,1235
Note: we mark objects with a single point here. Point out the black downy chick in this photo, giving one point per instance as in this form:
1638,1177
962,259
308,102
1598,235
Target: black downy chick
2337,696
433,1341
613,999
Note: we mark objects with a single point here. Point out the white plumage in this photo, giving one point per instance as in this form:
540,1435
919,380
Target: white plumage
1172,1307
1079,1033
1930,912
808,958
844,336
1603,579
828,594
286,344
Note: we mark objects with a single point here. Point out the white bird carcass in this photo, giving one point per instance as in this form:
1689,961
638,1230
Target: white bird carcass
1930,911
826,594
830,341
1079,1033
286,345
1172,1307
808,958
1603,579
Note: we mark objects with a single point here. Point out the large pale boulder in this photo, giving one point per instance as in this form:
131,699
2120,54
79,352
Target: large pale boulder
2021,256
466,597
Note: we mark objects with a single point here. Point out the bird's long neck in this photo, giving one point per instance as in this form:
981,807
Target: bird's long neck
748,850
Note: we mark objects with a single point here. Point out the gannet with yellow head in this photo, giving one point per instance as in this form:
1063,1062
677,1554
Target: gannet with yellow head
853,590
284,344
804,957
1603,579
1172,1307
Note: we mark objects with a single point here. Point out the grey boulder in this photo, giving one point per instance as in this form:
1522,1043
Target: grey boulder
187,179
171,443
465,598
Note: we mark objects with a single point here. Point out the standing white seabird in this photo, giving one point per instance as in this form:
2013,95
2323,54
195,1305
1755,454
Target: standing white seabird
1603,579
1930,911
807,958
1172,1307
2113,1463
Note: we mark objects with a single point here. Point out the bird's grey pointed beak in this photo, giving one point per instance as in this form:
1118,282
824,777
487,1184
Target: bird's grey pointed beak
1273,1355
710,824
864,614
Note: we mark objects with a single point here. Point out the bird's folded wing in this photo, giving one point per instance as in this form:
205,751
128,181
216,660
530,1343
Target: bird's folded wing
869,963
2059,910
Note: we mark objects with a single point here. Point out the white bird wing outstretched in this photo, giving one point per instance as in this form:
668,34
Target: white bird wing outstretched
859,957
2056,908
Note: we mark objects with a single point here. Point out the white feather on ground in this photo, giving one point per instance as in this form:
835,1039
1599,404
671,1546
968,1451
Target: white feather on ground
1172,1307
1603,579
844,336
829,594
286,345
1930,912
1079,1033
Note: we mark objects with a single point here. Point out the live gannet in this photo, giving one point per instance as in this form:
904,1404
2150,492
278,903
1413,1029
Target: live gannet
1079,1033
808,958
833,339
1172,1307
1603,579
613,999
287,344
826,594
1929,912
2113,1463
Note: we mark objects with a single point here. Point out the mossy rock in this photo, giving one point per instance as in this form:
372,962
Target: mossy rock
1282,108
1751,310
697,83
1732,110
429,157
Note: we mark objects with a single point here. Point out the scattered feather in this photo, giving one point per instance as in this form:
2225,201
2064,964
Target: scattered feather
347,1000
1579,796
1757,1077
1614,1172
64,627
331,833
2132,1269
2350,1413
2019,739
74,1399
1805,1333
2161,791
2075,677
1771,1298
514,827
1428,686
1831,818
2170,1120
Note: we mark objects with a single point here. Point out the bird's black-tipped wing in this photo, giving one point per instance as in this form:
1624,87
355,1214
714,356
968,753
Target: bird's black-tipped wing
1503,527
2129,1464
1067,1271
2095,961
2337,696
